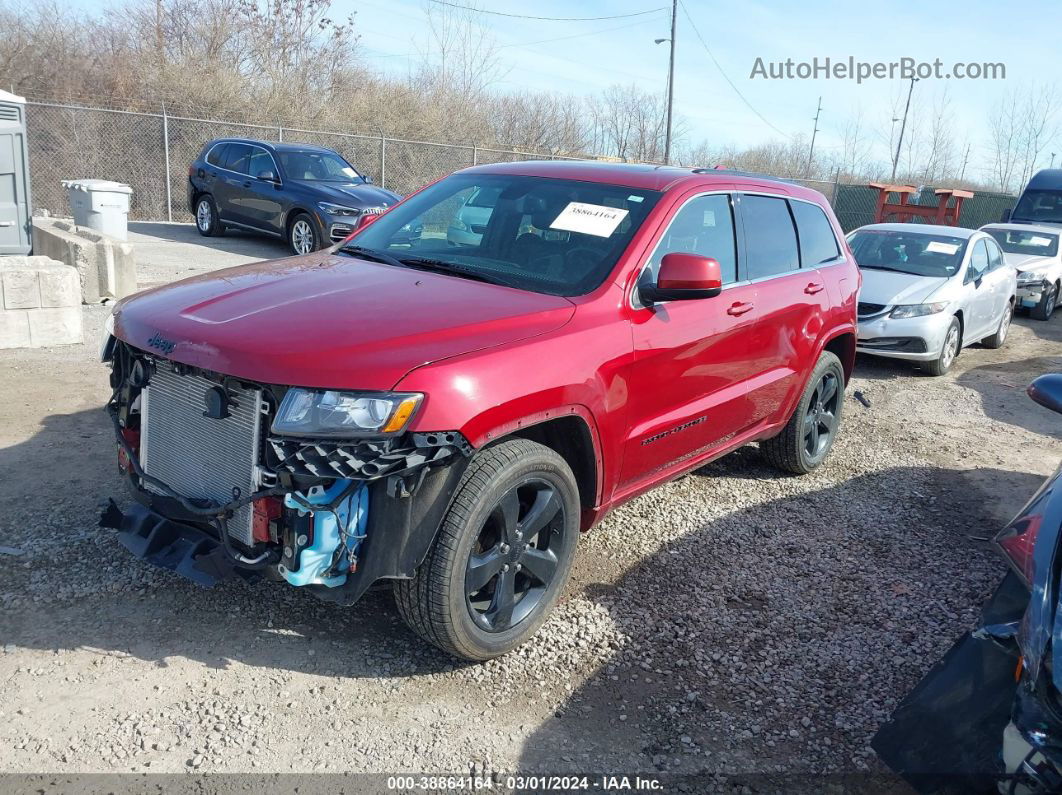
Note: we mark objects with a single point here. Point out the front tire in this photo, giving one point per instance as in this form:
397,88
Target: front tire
807,438
207,221
303,237
1046,307
948,351
501,557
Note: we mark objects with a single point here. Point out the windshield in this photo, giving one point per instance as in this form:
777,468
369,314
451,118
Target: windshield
917,253
1035,244
555,236
314,166
1039,206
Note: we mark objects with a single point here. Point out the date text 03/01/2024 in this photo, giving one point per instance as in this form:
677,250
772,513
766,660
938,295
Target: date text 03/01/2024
537,783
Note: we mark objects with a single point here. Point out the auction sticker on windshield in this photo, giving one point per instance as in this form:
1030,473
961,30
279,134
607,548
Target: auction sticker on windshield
589,219
936,247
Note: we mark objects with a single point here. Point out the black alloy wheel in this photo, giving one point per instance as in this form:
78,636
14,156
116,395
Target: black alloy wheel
513,561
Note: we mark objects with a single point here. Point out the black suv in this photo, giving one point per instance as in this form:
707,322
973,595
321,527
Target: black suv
308,195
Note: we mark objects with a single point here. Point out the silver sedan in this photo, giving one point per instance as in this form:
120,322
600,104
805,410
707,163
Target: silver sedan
929,291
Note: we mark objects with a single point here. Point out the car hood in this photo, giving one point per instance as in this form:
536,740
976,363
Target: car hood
1028,262
357,195
329,321
891,288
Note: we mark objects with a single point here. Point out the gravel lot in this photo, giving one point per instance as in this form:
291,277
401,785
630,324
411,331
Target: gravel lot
732,622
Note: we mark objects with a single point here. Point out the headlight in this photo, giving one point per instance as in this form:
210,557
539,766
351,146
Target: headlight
917,310
1029,277
309,412
107,342
338,209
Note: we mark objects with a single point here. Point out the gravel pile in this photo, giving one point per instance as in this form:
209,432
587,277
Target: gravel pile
734,621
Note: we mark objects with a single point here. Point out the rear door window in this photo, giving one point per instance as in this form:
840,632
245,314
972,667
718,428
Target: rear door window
704,226
237,158
770,237
260,161
216,156
818,244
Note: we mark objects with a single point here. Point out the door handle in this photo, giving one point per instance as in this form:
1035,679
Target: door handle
7,223
813,288
739,308
247,184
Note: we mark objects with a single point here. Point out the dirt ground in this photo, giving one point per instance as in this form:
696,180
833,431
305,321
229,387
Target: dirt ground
734,622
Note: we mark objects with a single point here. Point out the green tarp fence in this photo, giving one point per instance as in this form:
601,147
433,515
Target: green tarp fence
854,206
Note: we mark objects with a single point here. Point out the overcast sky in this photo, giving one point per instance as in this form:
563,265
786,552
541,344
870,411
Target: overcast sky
622,50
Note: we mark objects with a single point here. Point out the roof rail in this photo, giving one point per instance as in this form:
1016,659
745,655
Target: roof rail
735,173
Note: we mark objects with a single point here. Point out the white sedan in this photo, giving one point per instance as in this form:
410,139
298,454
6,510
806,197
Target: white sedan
929,291
1033,251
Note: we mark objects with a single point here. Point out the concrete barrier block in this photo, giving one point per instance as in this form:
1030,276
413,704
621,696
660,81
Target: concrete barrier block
21,289
106,267
41,303
58,326
14,328
59,287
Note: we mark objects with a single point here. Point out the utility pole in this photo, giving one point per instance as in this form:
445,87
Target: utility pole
903,126
670,86
965,160
811,152
670,82
1052,157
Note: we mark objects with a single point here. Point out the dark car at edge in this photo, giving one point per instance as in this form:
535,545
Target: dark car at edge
309,196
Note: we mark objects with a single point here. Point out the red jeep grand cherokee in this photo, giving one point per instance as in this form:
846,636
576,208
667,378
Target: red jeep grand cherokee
448,411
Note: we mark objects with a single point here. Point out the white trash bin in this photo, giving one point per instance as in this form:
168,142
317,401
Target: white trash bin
100,204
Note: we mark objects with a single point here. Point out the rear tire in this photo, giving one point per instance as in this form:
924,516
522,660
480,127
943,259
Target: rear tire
949,351
207,221
1048,302
1000,337
807,438
517,507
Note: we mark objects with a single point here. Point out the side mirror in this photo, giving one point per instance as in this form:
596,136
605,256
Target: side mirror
683,277
1047,391
367,178
1005,216
267,176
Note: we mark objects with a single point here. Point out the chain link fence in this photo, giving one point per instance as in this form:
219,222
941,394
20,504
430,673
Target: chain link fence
152,151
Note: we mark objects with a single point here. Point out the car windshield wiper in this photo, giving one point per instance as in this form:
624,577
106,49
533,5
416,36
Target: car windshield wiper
373,254
451,267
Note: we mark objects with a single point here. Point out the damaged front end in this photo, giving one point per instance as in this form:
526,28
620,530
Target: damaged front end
326,490
988,716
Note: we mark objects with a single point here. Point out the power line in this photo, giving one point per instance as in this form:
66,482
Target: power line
724,74
545,19
578,35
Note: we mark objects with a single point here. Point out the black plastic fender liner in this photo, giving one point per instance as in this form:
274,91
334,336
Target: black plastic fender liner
400,529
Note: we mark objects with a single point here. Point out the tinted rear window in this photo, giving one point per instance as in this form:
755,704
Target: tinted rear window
817,241
770,239
216,156
237,156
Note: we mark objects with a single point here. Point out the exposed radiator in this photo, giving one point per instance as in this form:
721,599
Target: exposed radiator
198,456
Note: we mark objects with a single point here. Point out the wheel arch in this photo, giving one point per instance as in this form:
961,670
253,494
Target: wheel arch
571,438
843,345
